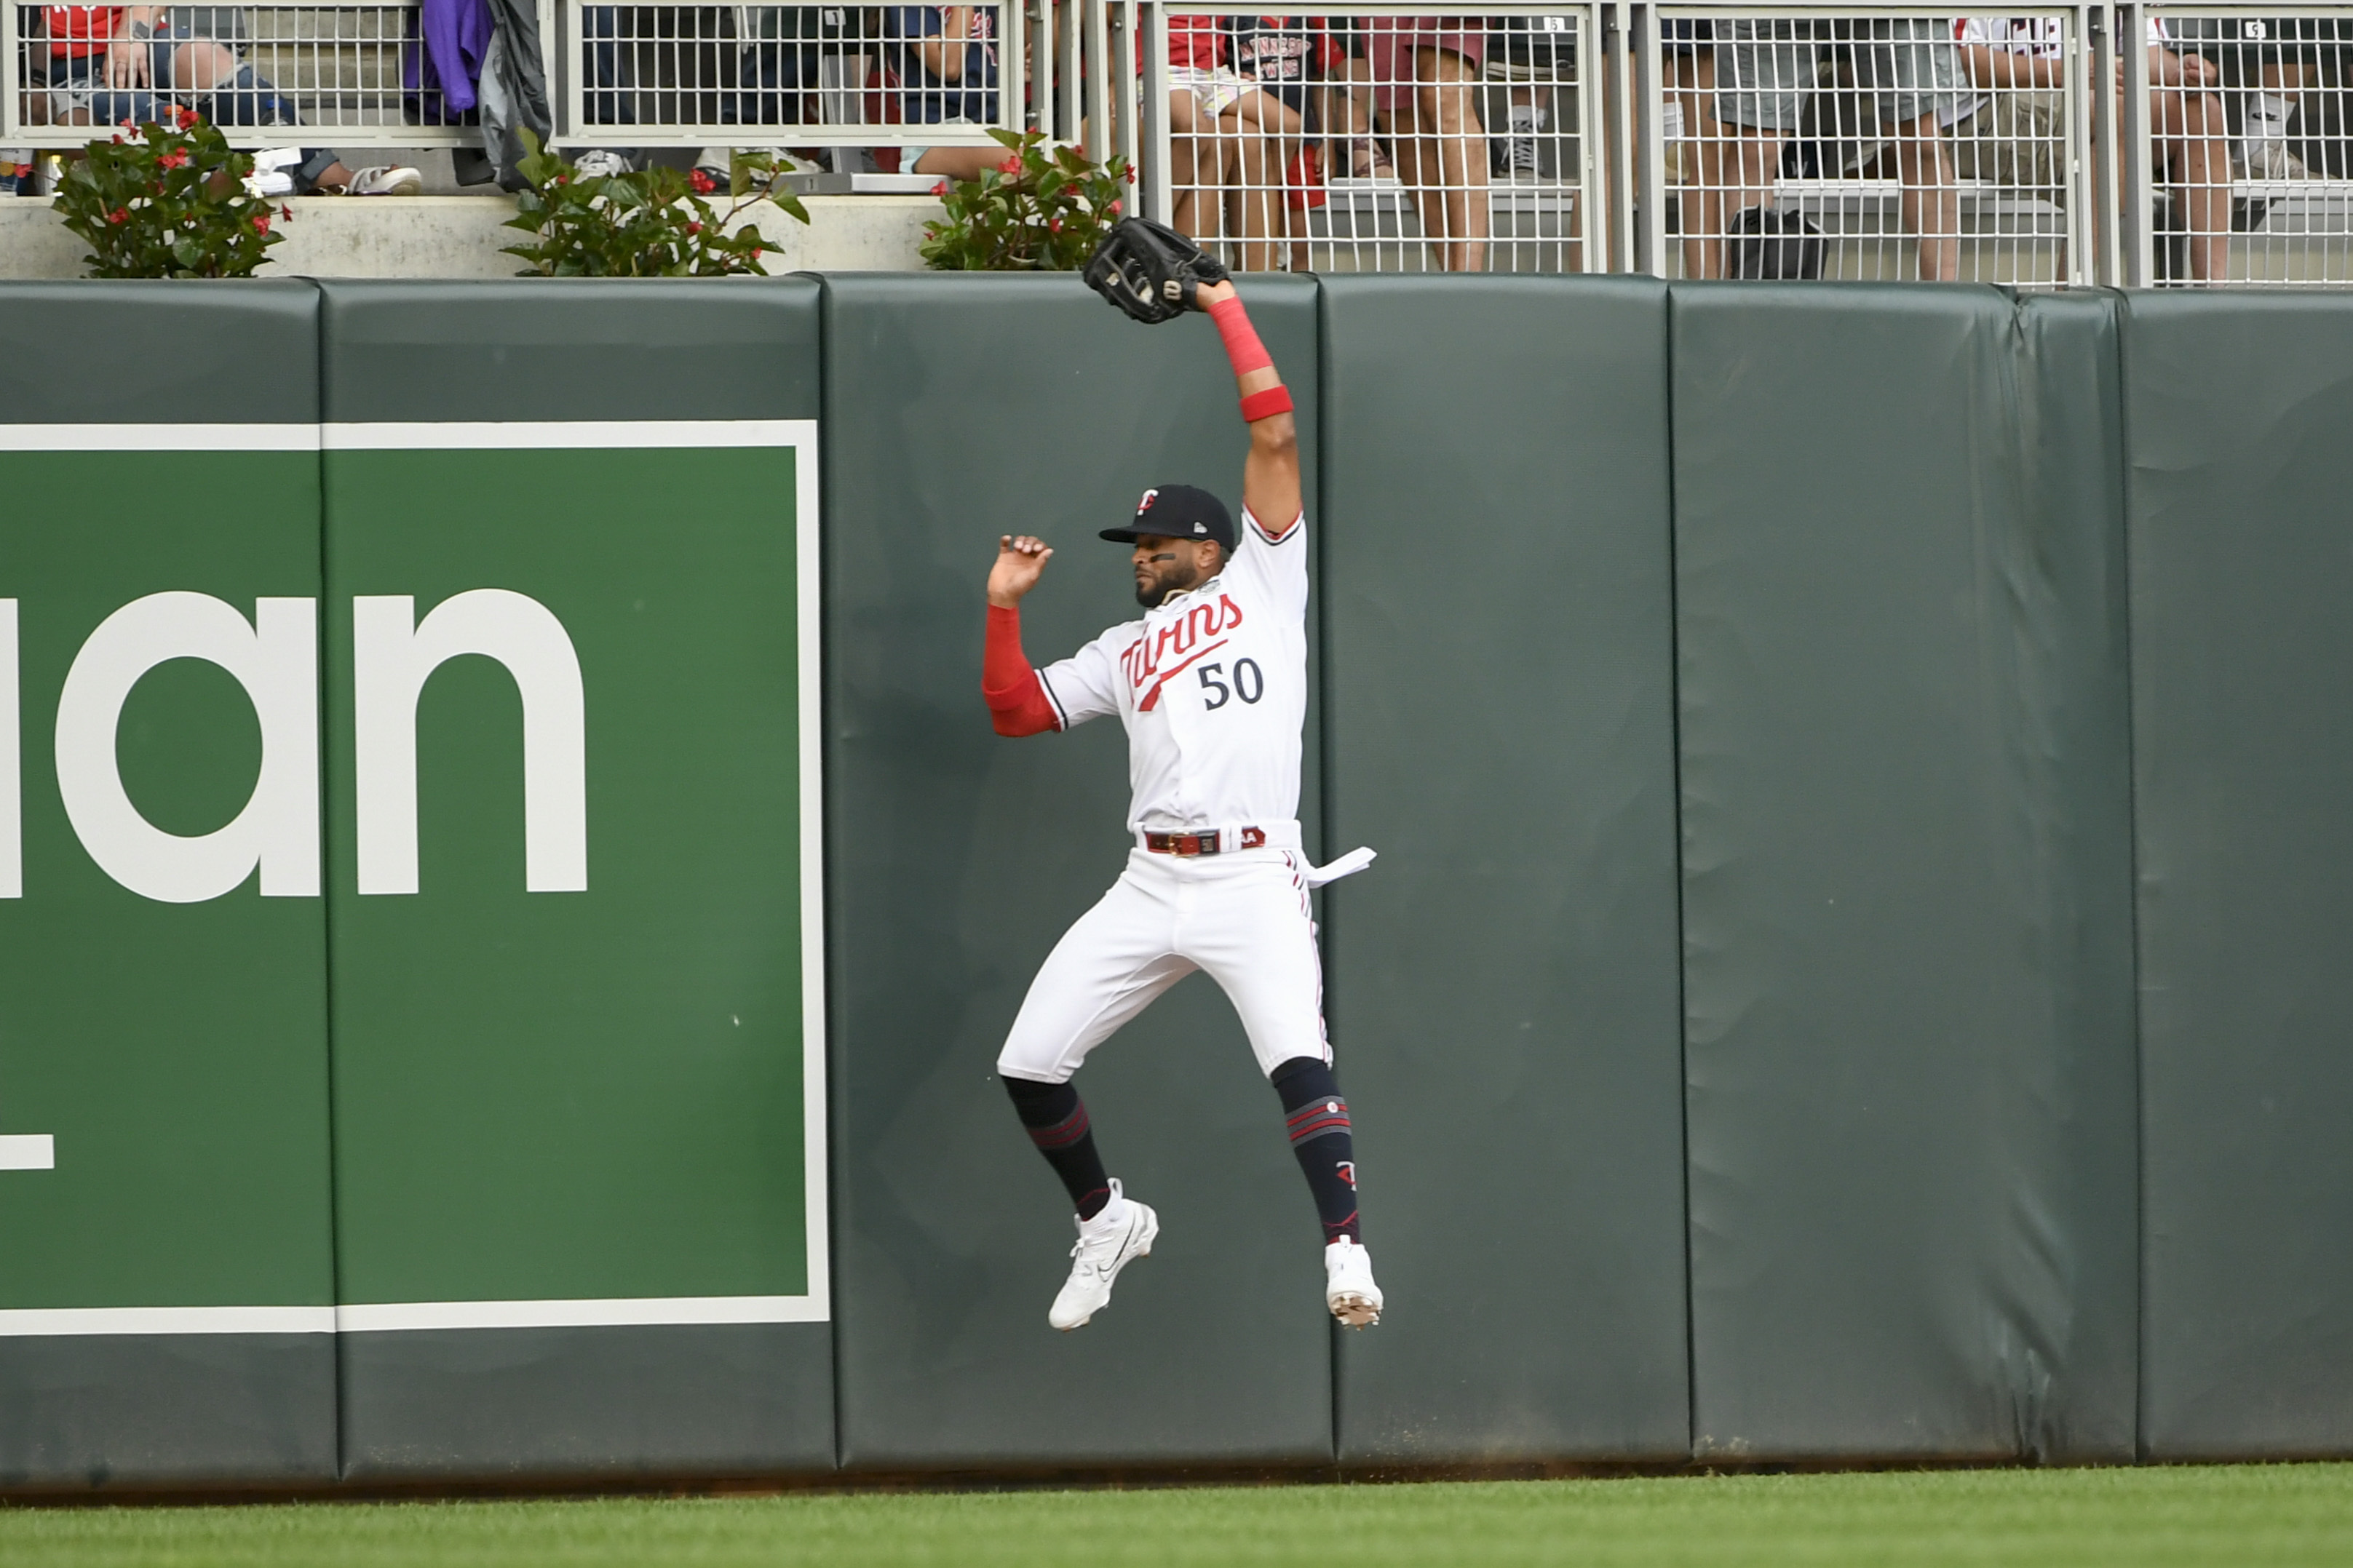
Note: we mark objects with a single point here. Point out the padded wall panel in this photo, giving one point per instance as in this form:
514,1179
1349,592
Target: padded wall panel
579,1107
1906,892
959,409
170,1039
1505,987
2242,654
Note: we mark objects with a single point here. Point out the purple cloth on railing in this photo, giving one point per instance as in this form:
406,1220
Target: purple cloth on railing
456,38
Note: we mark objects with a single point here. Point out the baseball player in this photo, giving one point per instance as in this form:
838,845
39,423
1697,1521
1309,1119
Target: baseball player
1211,684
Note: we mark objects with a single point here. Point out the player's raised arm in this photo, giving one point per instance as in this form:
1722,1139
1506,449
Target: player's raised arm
1270,476
1017,704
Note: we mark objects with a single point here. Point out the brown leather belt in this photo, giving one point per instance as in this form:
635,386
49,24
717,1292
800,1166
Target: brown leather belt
1200,843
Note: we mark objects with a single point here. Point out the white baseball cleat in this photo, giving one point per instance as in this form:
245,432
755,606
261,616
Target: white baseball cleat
1121,1232
1348,1288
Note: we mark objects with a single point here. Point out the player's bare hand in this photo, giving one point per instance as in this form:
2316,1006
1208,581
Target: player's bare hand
1210,294
1020,560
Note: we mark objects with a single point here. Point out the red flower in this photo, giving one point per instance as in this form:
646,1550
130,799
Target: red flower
284,211
1055,226
703,184
941,189
694,228
560,179
1130,174
118,138
261,222
1012,164
118,216
172,160
182,117
756,253
1114,205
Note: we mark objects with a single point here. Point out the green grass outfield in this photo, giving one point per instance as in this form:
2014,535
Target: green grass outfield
2249,1514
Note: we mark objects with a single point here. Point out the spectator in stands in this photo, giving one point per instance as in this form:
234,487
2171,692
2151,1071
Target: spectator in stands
1225,139
1425,79
2018,137
1689,122
1908,73
946,60
114,65
1288,58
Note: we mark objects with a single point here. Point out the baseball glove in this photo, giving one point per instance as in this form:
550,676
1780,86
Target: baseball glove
1150,270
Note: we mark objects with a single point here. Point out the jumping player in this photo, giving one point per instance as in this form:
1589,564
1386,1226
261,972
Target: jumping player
1211,685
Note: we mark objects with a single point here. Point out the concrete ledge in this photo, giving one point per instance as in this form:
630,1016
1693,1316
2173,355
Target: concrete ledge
460,236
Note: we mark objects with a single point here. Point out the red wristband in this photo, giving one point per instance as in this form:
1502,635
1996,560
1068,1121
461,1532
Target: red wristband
1266,405
1242,346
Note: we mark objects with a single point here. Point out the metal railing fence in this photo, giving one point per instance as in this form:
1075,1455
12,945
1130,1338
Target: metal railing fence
1830,138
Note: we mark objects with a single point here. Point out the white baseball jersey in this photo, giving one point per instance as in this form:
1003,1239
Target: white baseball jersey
1212,688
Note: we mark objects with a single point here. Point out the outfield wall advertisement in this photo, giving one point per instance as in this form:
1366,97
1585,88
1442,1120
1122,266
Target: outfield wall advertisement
409,862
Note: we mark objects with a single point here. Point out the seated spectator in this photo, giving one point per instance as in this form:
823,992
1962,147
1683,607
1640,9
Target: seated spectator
1908,75
946,60
2018,135
1425,75
1288,58
1225,143
123,65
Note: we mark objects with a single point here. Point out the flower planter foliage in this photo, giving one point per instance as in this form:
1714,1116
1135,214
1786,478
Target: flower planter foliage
653,223
1043,209
168,202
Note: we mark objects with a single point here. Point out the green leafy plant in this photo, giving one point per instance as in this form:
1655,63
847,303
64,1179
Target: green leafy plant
1043,209
168,202
651,224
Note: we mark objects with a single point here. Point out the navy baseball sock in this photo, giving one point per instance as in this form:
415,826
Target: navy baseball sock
1056,1119
1317,1120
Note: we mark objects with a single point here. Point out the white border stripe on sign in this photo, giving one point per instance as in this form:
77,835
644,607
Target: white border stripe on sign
617,1313
165,438
458,434
21,1321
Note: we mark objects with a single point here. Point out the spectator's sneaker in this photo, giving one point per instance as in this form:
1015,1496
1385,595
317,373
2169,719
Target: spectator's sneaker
600,163
385,180
1348,1288
2267,158
1108,1243
1516,154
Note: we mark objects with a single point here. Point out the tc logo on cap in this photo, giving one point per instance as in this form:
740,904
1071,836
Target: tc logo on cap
1145,504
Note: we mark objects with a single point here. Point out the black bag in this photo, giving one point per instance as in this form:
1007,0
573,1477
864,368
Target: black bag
1766,242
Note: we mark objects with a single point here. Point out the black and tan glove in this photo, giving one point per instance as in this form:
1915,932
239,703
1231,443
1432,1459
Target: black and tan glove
1151,271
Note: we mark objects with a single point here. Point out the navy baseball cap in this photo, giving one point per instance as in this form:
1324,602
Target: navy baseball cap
1177,512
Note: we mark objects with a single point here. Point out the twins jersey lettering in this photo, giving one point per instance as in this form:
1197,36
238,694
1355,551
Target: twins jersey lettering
1212,688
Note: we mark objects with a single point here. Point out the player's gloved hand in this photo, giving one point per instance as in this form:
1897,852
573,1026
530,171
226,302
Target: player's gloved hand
1151,271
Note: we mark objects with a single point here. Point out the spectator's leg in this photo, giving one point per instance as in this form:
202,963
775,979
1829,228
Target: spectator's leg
2196,152
1441,153
1264,130
1694,79
1187,161
1762,73
958,163
1932,203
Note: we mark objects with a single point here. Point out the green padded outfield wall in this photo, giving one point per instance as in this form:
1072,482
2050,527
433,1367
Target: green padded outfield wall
2238,412
958,410
1505,990
1906,876
580,1221
166,1298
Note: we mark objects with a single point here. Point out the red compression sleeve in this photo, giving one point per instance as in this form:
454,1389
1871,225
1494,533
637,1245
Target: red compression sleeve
1242,346
1015,696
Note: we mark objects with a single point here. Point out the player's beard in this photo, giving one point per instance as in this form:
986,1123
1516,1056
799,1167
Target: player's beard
1176,577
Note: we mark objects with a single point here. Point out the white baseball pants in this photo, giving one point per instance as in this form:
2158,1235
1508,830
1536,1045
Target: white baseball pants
1242,916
